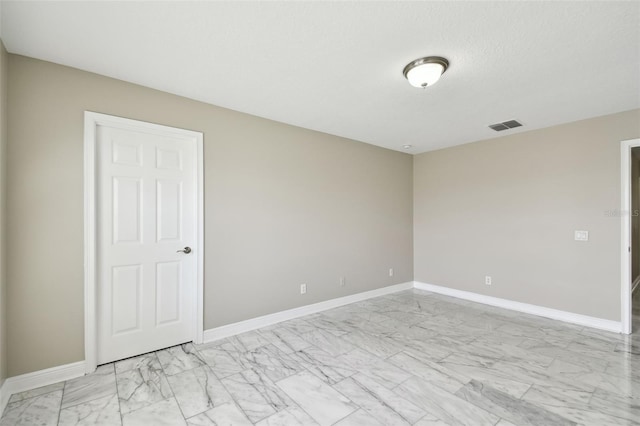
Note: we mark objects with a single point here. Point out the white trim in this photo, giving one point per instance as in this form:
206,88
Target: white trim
541,311
224,331
200,243
91,121
634,286
70,371
90,330
218,333
36,379
625,233
4,396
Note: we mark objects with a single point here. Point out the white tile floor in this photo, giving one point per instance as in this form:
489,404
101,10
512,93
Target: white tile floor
411,358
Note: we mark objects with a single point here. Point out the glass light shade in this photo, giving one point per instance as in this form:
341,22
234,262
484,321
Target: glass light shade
425,71
424,75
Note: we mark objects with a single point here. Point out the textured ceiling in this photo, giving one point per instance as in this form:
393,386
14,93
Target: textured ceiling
337,67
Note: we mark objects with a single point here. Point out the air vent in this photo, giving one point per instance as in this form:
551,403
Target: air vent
505,125
498,127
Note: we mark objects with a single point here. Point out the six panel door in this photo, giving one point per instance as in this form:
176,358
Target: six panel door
147,215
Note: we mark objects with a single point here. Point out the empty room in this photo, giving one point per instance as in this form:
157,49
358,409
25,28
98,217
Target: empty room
319,213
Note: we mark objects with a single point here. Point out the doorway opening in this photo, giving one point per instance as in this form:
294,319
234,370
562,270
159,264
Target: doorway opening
630,235
143,238
635,238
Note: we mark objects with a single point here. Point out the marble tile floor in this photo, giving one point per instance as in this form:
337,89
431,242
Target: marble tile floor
409,358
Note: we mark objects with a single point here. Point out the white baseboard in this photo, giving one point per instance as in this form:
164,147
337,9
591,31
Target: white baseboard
218,333
541,311
52,375
224,331
36,379
634,284
4,397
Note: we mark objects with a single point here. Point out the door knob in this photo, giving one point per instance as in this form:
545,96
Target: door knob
185,250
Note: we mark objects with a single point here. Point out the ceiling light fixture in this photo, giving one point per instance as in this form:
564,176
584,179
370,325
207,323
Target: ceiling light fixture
407,146
426,71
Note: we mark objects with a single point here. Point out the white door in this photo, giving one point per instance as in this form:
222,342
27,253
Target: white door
146,236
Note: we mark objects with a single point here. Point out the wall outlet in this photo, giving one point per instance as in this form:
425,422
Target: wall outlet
487,280
390,272
581,235
303,288
342,282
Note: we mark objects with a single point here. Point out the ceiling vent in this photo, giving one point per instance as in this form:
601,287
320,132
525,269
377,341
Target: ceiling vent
505,125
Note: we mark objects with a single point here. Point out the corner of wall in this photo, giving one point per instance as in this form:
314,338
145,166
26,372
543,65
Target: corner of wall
414,260
508,207
3,150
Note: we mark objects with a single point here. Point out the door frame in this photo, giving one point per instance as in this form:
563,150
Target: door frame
625,229
91,121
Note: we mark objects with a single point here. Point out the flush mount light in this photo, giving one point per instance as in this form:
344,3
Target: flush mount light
426,71
407,146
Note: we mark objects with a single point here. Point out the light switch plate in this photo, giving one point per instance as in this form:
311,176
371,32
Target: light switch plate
581,235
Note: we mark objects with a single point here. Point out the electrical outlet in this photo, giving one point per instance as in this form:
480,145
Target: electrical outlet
390,272
342,283
303,288
581,235
487,280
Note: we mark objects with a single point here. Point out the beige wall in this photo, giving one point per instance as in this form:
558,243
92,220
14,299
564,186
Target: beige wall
283,206
508,207
3,161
